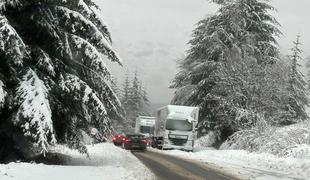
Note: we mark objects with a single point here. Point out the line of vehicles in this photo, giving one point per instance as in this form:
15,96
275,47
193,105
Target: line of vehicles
172,127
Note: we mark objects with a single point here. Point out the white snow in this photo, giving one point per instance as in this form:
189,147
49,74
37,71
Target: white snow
2,94
280,141
45,62
72,84
95,35
32,96
10,42
249,165
106,162
4,3
97,63
84,6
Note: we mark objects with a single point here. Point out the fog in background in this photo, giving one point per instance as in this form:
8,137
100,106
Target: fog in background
151,35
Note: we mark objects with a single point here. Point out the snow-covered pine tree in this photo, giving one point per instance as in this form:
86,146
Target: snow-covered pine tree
127,101
126,89
308,72
114,86
297,101
54,82
119,124
226,65
145,102
135,99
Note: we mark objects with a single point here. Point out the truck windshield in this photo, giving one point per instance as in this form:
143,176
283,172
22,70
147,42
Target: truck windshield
146,129
181,125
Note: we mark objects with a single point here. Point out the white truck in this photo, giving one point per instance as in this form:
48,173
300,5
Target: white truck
175,127
145,125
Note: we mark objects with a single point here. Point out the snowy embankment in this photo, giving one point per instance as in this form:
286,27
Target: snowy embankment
271,153
106,162
249,165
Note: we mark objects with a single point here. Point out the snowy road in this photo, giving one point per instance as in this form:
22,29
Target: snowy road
169,167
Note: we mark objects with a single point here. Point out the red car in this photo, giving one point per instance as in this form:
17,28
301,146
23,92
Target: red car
118,139
134,142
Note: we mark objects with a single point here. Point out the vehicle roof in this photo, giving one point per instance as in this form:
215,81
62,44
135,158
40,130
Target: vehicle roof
134,134
146,117
178,108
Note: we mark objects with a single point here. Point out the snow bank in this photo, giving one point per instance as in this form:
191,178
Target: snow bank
250,165
289,141
106,162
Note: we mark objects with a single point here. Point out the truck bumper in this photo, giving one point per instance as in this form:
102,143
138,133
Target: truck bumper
170,146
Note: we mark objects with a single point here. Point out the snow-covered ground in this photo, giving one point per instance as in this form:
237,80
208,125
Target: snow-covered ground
249,165
106,162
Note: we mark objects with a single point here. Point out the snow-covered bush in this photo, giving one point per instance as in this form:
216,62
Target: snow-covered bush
288,141
301,151
206,141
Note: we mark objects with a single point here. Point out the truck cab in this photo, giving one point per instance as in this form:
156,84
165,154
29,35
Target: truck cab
175,127
145,125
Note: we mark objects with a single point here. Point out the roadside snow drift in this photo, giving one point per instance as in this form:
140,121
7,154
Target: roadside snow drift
247,165
106,162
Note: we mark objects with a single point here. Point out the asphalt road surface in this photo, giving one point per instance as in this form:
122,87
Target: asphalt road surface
167,167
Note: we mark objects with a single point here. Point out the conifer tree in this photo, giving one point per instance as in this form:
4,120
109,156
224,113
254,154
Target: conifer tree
145,102
226,66
134,100
308,72
297,100
54,83
114,86
126,99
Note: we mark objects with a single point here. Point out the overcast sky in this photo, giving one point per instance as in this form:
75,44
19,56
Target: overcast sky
151,35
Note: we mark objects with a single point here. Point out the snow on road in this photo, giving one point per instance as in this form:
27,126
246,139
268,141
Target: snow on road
106,162
249,165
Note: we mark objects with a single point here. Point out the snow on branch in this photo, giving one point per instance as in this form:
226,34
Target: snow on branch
107,94
7,3
92,105
43,61
11,43
34,115
89,56
91,13
2,94
85,29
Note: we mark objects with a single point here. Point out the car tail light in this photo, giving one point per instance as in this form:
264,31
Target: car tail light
113,139
127,140
144,141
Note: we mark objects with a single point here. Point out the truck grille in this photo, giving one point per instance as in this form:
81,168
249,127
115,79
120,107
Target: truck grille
178,142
